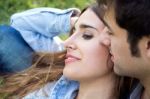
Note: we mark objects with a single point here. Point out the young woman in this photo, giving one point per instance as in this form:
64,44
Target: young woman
88,68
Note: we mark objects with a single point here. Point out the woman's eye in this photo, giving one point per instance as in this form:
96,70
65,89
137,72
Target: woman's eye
87,36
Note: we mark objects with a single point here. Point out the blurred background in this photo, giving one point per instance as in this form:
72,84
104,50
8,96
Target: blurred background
8,7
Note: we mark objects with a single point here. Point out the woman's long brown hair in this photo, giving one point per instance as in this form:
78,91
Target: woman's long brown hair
46,68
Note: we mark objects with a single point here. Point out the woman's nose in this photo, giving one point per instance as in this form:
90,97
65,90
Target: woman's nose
69,44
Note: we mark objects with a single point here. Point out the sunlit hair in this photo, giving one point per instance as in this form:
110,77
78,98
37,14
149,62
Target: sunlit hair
46,68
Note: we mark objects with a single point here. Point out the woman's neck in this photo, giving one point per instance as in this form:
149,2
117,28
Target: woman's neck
102,88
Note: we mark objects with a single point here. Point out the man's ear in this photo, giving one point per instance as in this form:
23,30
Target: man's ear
148,48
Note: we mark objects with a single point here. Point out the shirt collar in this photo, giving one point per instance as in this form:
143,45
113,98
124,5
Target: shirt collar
65,89
136,94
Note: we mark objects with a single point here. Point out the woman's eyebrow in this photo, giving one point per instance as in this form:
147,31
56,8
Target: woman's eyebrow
87,26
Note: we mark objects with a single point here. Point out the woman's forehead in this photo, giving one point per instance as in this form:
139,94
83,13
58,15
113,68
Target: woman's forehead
88,17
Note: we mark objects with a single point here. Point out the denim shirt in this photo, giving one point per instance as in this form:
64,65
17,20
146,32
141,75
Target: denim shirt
62,89
40,27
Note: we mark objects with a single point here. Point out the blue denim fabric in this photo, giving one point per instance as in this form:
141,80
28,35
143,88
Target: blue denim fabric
15,53
40,27
62,89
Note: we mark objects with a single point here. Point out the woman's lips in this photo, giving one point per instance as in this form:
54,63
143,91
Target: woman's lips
71,58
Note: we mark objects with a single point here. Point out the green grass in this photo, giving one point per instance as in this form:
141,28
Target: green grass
8,7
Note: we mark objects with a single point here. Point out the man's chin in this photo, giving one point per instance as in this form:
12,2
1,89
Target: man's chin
118,70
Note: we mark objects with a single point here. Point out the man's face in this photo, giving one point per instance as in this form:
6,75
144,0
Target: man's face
124,63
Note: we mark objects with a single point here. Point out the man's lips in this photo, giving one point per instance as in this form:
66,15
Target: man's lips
111,55
112,58
71,58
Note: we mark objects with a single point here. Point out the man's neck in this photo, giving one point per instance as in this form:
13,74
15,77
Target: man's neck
146,92
145,95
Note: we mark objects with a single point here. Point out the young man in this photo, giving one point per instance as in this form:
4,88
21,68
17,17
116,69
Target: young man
128,22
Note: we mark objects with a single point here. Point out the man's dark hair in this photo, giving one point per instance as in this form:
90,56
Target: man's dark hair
134,17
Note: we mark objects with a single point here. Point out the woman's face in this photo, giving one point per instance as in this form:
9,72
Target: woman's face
87,55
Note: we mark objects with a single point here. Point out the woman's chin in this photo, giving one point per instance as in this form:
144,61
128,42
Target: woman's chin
70,74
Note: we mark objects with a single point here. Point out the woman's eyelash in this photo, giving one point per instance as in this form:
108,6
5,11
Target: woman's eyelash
87,36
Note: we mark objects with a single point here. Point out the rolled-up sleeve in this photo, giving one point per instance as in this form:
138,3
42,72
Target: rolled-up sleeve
38,26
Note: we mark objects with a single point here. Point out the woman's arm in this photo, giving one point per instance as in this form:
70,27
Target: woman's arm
39,26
